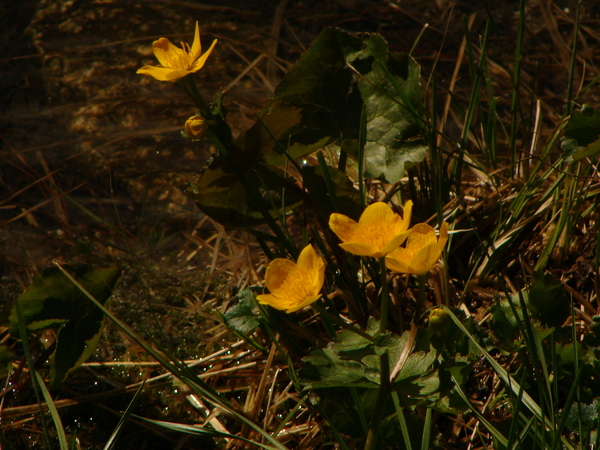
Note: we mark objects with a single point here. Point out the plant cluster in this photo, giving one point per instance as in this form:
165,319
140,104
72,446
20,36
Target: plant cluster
367,316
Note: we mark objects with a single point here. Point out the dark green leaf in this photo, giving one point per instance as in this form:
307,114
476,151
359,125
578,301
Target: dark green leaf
583,415
54,301
582,135
548,300
221,195
76,342
346,196
320,101
241,317
394,107
353,360
320,86
6,357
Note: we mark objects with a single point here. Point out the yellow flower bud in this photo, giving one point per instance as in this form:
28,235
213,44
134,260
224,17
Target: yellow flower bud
196,127
438,317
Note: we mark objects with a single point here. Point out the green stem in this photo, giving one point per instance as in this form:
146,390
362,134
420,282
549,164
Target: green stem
385,296
382,396
192,90
422,279
253,193
340,322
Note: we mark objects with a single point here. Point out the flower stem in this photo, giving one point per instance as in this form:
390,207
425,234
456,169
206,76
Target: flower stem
422,280
192,90
339,321
385,296
382,396
187,83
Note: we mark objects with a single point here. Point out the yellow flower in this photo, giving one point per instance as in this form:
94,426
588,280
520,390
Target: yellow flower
423,249
175,62
294,286
196,127
378,231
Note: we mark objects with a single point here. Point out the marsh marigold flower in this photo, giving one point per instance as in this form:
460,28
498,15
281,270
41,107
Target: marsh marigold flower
423,250
294,286
175,62
378,231
196,127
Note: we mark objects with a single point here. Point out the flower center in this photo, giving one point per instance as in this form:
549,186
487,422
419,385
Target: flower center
377,234
296,287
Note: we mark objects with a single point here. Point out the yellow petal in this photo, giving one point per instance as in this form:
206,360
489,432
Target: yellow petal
308,258
202,60
306,302
196,46
422,250
394,243
288,282
379,230
399,261
314,266
380,214
407,213
425,259
169,55
275,302
443,234
279,273
343,226
160,73
292,285
376,213
360,249
196,127
421,235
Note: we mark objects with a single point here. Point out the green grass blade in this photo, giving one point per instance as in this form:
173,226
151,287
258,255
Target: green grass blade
402,421
191,429
124,418
502,373
426,430
60,430
358,405
524,432
565,412
497,434
289,415
362,141
536,351
569,101
516,82
516,406
176,368
30,366
515,387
